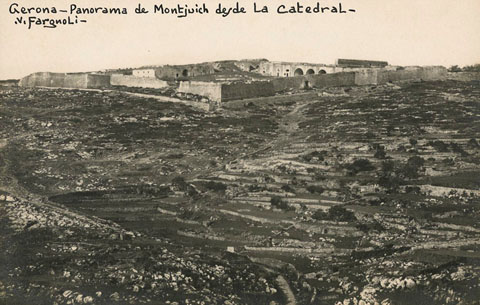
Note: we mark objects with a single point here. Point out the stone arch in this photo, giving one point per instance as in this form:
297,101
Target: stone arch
185,72
310,71
322,72
298,72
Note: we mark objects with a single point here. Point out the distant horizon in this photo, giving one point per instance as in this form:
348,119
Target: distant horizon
220,60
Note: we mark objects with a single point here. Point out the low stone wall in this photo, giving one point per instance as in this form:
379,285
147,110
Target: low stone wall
135,81
208,89
238,91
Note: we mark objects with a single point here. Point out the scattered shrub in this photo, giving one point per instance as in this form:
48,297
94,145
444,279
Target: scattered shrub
315,189
439,146
472,143
180,183
360,165
336,213
216,186
279,203
287,188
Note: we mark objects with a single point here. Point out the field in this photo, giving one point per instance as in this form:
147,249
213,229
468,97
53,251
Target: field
358,195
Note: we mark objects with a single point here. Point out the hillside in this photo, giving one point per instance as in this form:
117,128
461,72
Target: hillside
355,194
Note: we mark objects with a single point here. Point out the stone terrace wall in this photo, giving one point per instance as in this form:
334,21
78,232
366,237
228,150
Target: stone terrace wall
238,91
208,89
134,81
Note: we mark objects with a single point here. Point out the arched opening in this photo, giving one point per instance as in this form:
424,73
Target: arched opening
322,72
310,71
298,72
185,72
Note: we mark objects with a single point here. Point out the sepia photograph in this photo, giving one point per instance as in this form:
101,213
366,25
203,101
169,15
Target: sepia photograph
240,152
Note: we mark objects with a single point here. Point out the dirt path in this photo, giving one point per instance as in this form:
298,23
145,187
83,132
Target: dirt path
287,291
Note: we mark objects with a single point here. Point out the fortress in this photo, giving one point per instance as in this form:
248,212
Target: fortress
235,80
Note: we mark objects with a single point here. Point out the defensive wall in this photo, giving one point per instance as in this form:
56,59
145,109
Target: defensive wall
314,81
464,76
381,76
238,91
81,80
168,72
211,90
86,80
135,81
221,92
288,69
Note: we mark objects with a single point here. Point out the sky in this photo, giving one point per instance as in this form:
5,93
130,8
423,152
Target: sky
402,32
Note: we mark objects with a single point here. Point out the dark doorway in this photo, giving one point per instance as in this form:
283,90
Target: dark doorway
298,72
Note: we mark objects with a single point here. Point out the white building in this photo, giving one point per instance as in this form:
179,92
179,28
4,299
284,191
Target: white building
144,73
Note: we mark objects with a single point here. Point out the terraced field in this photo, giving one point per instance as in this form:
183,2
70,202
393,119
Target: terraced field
363,195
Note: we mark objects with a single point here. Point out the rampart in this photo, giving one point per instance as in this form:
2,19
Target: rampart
135,81
464,76
381,76
314,81
62,80
211,90
238,91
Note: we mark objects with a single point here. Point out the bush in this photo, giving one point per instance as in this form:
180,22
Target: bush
439,146
339,213
336,213
320,215
411,169
216,186
279,203
180,183
360,165
315,189
288,189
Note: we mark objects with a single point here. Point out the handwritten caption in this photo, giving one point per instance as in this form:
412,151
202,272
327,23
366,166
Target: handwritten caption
73,14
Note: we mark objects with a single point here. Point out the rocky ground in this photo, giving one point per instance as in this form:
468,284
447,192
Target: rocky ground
365,195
